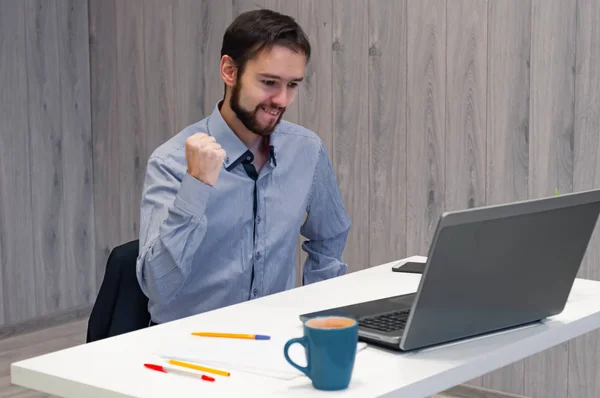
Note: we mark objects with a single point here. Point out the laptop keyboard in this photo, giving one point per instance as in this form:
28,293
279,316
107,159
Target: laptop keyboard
386,322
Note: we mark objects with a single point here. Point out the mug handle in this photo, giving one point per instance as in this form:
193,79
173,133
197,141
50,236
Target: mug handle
302,341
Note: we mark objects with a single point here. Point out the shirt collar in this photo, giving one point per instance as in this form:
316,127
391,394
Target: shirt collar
236,151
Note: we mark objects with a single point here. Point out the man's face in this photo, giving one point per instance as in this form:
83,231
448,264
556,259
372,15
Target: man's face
267,86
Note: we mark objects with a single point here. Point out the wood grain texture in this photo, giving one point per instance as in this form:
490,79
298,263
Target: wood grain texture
198,36
508,140
587,118
47,152
43,322
315,102
218,15
387,130
426,115
105,131
159,97
16,255
132,103
188,56
77,165
552,97
351,123
584,351
553,35
466,98
240,6
509,39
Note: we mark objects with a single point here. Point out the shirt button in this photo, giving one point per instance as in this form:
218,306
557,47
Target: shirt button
258,256
258,220
227,159
255,292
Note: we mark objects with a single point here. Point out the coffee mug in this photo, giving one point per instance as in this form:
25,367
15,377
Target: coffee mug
330,346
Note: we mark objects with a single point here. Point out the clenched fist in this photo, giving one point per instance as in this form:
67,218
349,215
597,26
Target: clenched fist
204,158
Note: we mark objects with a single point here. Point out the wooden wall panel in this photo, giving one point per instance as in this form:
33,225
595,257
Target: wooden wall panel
198,28
509,44
16,254
387,130
584,371
218,15
552,97
159,97
551,136
47,152
77,165
351,123
189,20
509,39
132,125
240,6
466,98
104,110
587,118
426,115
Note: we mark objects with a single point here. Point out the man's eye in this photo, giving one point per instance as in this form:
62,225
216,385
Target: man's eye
268,82
293,84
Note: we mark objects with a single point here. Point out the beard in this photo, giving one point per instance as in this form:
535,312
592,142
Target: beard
249,118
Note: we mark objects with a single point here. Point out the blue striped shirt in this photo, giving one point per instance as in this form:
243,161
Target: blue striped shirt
203,247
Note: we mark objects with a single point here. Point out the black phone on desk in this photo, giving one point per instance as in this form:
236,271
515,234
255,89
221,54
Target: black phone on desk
410,267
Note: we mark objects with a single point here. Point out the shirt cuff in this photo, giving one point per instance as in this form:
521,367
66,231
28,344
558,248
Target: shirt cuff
192,196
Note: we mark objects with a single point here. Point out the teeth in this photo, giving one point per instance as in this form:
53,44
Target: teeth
273,112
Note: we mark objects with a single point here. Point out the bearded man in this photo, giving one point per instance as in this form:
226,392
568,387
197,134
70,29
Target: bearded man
225,198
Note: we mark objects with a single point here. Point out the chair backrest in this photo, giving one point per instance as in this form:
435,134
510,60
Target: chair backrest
120,306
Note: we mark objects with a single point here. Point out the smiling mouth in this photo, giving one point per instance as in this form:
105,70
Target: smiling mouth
270,111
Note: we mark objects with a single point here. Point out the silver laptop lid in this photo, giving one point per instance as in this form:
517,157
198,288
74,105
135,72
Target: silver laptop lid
495,267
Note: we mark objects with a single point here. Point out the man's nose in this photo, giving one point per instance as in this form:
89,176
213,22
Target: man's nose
282,97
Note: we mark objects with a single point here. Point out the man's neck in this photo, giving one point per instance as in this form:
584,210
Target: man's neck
253,141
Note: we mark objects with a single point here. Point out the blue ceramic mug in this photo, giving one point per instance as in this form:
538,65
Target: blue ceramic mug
330,346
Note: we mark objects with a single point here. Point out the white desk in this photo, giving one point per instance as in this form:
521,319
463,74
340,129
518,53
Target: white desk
113,367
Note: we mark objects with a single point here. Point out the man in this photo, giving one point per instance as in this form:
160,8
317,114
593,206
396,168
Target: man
225,198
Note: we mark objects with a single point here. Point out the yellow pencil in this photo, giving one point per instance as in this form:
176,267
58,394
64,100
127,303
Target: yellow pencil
198,367
233,335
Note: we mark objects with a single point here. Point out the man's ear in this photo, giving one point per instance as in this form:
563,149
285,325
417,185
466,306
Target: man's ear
229,70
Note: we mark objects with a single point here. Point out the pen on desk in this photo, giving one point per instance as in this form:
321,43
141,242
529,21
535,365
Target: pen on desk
198,367
233,335
169,369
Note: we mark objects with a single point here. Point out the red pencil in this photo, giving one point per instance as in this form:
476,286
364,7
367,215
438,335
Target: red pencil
171,369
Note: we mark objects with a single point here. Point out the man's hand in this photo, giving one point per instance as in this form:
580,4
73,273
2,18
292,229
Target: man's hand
204,158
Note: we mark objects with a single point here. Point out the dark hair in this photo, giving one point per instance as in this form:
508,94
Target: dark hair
255,30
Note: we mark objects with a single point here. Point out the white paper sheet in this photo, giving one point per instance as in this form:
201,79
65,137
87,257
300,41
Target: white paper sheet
262,357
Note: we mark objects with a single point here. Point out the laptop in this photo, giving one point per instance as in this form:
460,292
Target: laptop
488,269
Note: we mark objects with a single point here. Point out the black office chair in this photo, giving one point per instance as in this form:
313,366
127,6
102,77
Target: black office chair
121,306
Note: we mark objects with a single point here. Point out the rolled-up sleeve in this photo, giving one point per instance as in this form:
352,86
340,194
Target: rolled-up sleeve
326,226
172,227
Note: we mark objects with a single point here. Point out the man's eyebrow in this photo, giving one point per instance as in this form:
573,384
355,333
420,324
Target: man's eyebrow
270,76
